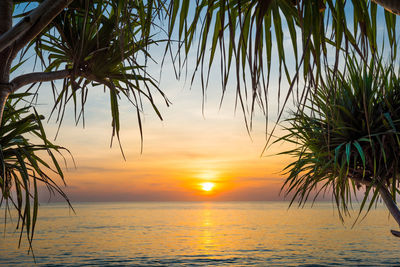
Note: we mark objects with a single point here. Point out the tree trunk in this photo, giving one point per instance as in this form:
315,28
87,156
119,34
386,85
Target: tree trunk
3,99
390,5
387,199
391,205
6,8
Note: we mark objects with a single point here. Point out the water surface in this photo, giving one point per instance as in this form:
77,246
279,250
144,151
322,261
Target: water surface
202,234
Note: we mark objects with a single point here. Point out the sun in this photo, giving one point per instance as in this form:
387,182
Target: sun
208,186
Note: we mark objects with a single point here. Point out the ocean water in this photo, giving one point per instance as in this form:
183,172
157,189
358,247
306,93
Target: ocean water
203,234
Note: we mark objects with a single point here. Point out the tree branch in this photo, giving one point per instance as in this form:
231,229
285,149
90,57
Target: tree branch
390,5
390,203
35,77
387,199
6,9
361,181
3,98
31,25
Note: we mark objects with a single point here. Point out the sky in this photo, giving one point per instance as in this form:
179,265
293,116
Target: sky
189,147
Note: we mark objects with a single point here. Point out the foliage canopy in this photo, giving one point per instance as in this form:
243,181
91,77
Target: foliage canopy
23,164
347,137
106,43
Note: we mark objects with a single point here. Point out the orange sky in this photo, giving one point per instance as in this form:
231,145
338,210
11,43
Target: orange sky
179,153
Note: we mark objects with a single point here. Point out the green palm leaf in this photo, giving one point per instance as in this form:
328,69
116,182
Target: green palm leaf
251,33
23,166
100,43
348,137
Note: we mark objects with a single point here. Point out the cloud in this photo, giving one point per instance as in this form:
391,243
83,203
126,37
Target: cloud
95,169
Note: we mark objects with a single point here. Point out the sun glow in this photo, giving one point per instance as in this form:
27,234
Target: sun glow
208,186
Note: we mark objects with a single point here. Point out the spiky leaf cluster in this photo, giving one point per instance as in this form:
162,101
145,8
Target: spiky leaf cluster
347,136
293,38
102,43
24,164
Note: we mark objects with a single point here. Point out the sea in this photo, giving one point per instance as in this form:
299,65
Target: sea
202,234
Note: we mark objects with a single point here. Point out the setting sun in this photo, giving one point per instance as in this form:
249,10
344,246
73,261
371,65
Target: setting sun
207,186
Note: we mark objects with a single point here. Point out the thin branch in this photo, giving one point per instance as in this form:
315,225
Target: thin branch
390,5
35,77
361,181
31,25
93,78
3,98
6,10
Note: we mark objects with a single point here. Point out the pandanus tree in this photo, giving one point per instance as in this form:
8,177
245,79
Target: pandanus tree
24,165
294,38
247,36
89,43
347,139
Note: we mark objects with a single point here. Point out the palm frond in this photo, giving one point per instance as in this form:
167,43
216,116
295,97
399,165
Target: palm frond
347,136
296,38
102,43
23,165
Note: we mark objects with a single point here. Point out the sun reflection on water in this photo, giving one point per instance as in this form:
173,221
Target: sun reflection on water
207,236
232,234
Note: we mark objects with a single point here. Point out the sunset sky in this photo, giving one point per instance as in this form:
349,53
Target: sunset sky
180,153
200,186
